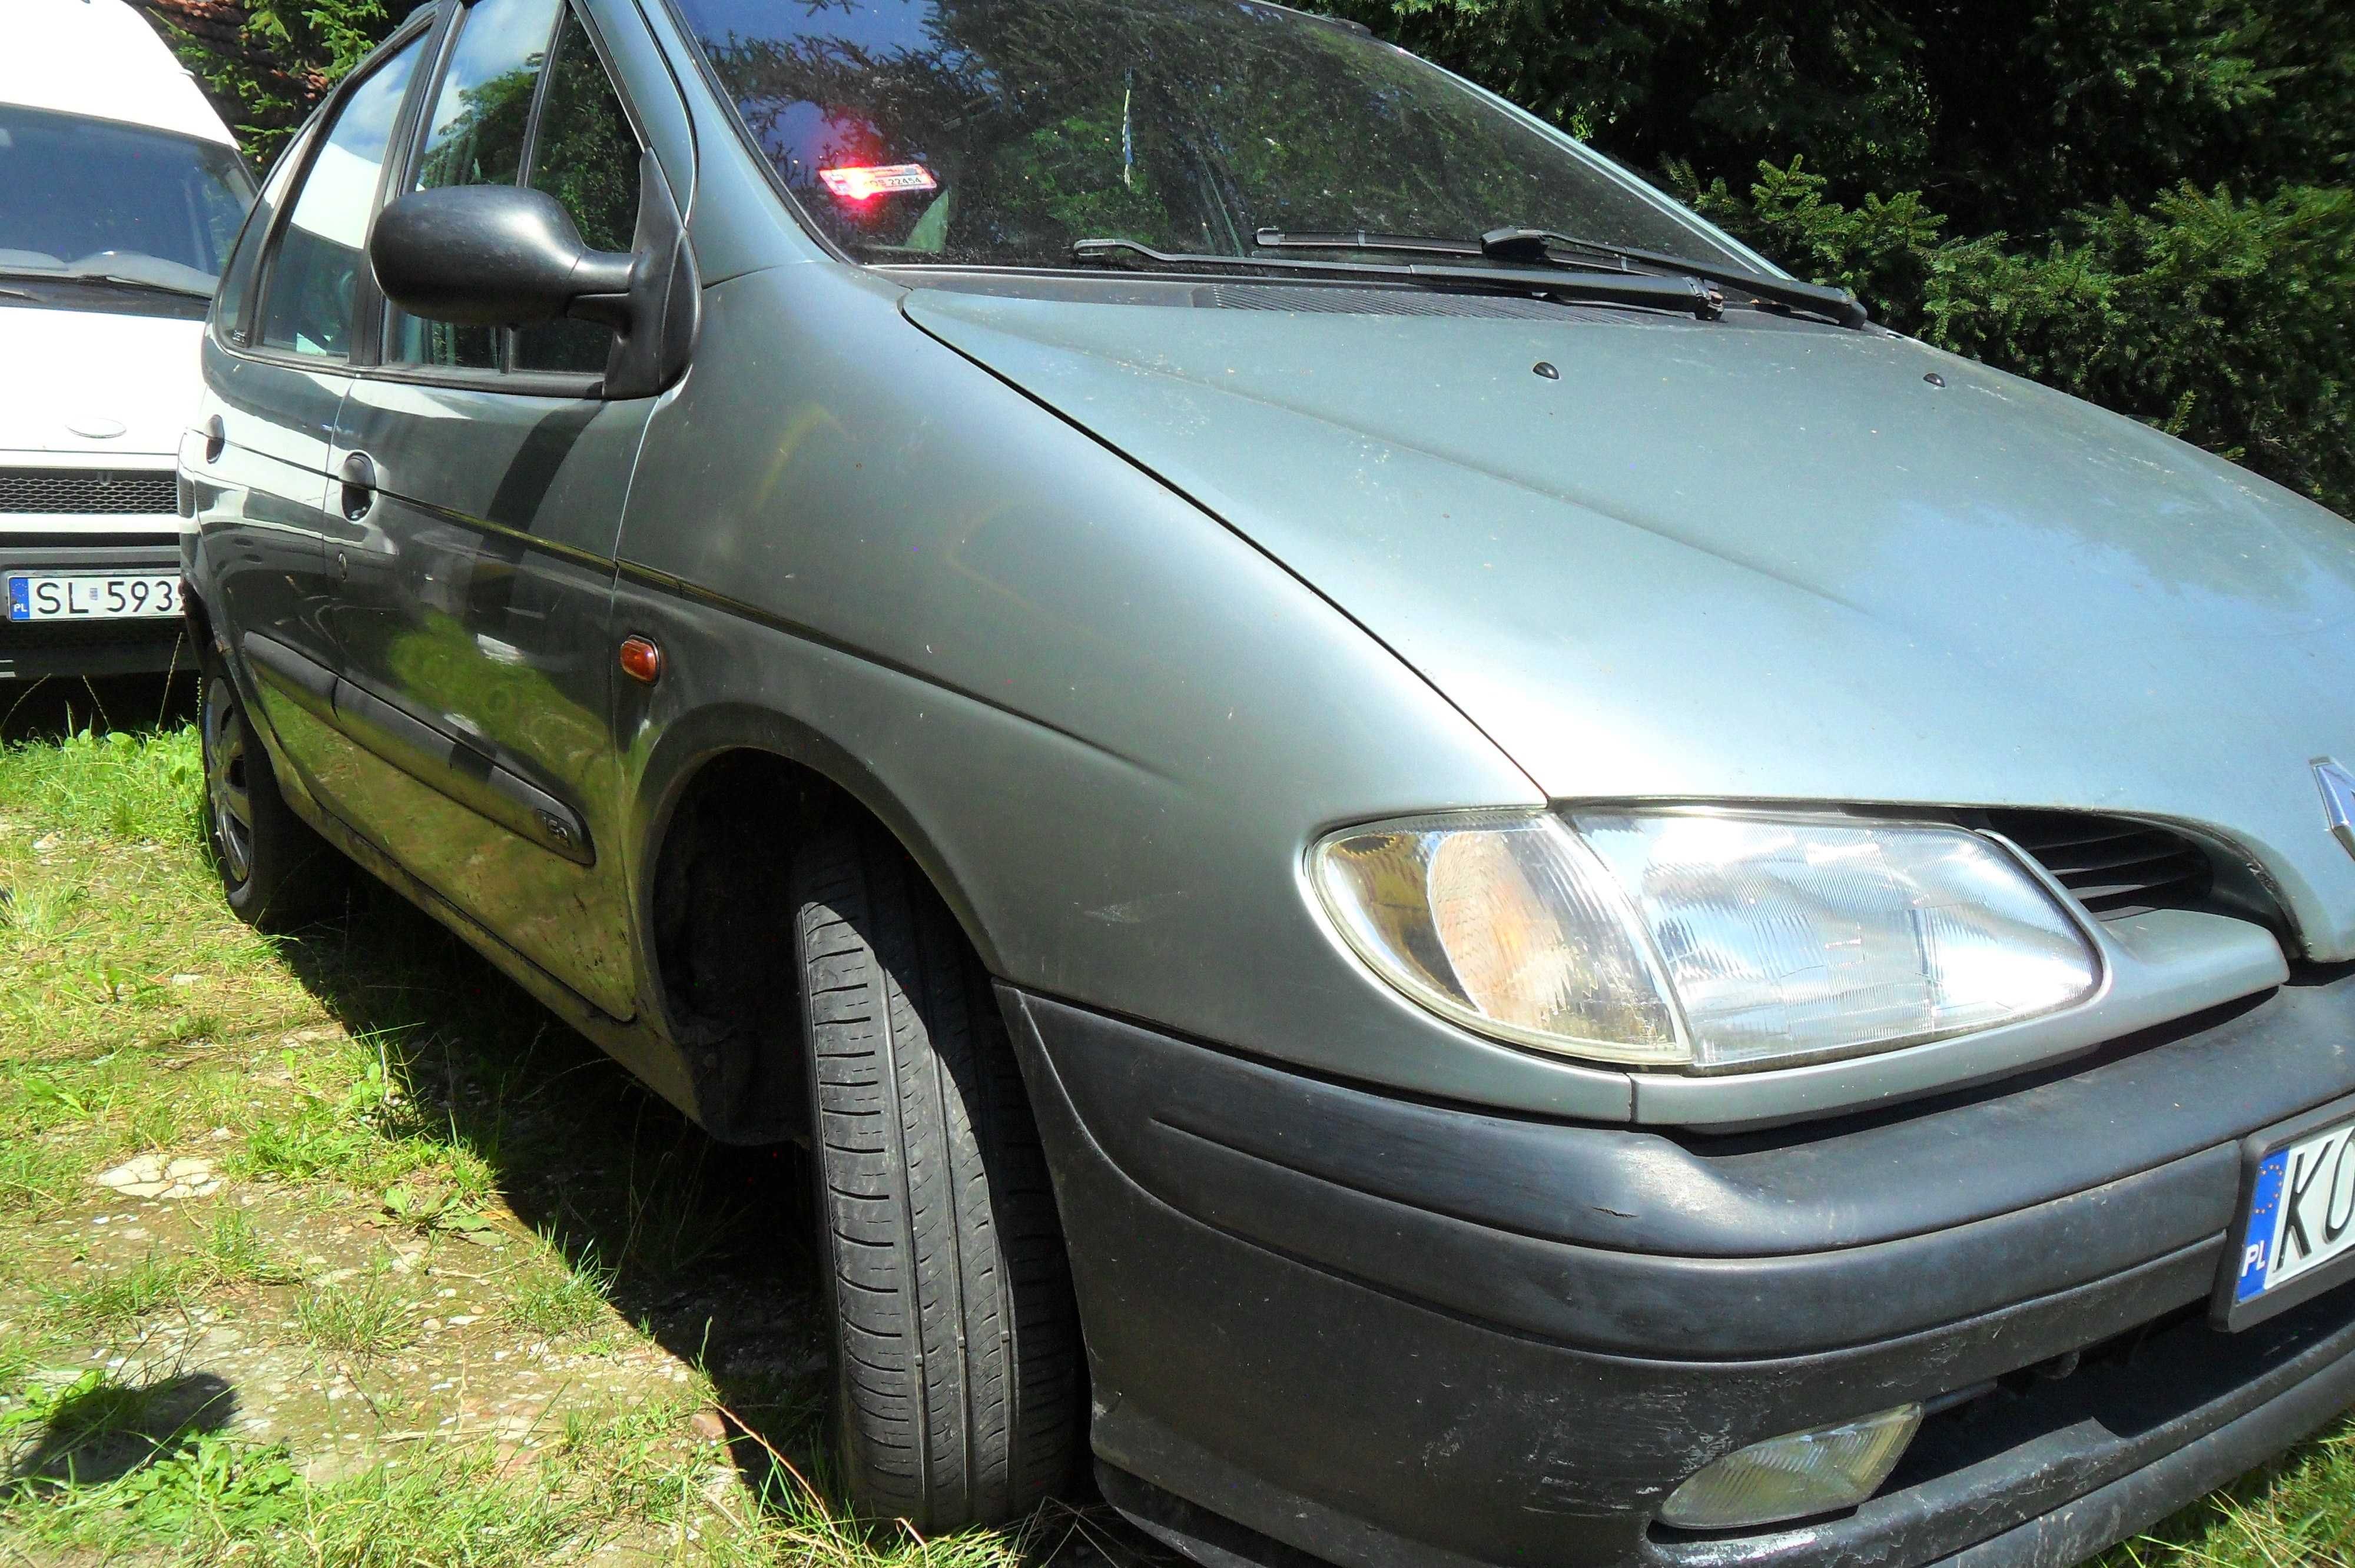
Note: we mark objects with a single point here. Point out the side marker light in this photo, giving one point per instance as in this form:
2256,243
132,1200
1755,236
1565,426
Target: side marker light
641,660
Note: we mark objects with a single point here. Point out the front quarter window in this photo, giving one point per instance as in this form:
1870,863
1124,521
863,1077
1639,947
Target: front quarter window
312,287
999,132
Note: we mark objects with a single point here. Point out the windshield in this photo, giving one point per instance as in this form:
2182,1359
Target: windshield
92,198
998,131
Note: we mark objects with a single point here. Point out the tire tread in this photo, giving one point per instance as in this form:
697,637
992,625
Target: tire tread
959,1377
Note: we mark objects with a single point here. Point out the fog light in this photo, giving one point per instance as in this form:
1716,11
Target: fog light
1817,1471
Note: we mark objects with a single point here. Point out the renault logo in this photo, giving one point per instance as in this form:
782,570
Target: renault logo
2338,800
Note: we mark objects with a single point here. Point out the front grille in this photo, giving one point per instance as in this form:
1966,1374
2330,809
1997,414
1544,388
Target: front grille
86,492
2115,866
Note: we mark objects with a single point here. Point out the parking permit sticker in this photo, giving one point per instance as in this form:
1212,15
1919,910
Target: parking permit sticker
860,182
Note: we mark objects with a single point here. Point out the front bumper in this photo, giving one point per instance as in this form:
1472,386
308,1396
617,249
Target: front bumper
30,650
1322,1319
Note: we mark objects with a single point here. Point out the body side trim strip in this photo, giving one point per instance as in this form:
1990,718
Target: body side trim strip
450,767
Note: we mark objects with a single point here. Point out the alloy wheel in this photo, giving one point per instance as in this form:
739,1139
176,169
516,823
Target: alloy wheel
225,782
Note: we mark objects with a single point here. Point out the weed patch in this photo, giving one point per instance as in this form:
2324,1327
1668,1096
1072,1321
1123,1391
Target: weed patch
123,786
36,1177
562,1300
365,1317
113,1302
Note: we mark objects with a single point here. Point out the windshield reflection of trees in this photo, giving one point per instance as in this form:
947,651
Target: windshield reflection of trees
1181,125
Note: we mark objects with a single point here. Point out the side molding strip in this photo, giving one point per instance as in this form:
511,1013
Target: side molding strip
440,761
310,683
447,765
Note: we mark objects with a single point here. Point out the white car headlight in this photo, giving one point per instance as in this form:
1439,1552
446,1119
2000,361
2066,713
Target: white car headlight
1709,940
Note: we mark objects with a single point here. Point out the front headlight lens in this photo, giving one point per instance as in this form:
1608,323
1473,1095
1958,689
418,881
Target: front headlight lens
1716,940
1509,925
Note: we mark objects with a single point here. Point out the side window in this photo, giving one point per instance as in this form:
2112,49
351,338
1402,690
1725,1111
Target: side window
313,282
476,137
586,157
237,278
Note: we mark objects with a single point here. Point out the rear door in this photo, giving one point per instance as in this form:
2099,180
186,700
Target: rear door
277,371
473,623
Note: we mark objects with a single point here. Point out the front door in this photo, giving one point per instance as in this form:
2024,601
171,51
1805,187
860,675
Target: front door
490,473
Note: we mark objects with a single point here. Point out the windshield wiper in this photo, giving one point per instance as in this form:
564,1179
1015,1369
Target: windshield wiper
124,281
1538,247
1686,295
115,279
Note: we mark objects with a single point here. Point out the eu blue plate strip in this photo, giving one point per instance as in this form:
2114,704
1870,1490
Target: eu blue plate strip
2258,1240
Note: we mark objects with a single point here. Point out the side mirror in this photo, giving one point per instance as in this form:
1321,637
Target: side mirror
496,256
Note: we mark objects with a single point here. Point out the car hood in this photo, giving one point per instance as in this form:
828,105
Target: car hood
1753,560
74,375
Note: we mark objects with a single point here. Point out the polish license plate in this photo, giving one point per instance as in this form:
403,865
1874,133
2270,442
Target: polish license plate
2297,1235
87,595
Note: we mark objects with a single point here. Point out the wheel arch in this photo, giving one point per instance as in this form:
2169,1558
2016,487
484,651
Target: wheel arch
726,795
201,635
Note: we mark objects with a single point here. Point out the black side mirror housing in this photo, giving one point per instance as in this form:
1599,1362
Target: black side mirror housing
495,256
510,256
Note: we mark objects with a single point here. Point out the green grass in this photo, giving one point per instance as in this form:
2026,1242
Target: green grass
559,1296
123,786
369,1316
113,1302
35,1178
202,1499
427,1180
234,1251
230,1251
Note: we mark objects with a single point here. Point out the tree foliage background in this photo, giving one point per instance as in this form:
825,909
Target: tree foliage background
2143,202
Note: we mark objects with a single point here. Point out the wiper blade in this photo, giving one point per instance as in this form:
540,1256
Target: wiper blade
1686,295
1538,244
115,280
124,281
1538,247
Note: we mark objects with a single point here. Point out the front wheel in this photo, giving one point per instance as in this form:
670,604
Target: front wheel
277,872
955,1340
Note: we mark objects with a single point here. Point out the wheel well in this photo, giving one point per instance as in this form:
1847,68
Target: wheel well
722,938
200,621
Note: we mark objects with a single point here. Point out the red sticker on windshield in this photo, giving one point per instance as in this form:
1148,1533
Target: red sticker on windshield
860,182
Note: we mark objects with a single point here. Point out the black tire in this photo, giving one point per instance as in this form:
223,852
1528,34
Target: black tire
955,1342
278,874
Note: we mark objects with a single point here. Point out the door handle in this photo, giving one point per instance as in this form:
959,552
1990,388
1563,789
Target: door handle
358,485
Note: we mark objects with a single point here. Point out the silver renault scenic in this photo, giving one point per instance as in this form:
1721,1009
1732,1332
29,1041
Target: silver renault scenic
1442,871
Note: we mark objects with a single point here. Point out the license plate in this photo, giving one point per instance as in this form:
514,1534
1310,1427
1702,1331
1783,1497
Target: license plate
111,596
2297,1235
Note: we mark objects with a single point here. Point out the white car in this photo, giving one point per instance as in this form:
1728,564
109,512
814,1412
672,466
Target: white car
121,193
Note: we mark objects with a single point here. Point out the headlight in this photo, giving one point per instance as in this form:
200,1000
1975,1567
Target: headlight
1711,940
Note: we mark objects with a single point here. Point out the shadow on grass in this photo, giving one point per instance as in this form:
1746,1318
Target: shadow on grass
699,1243
704,1247
103,1432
